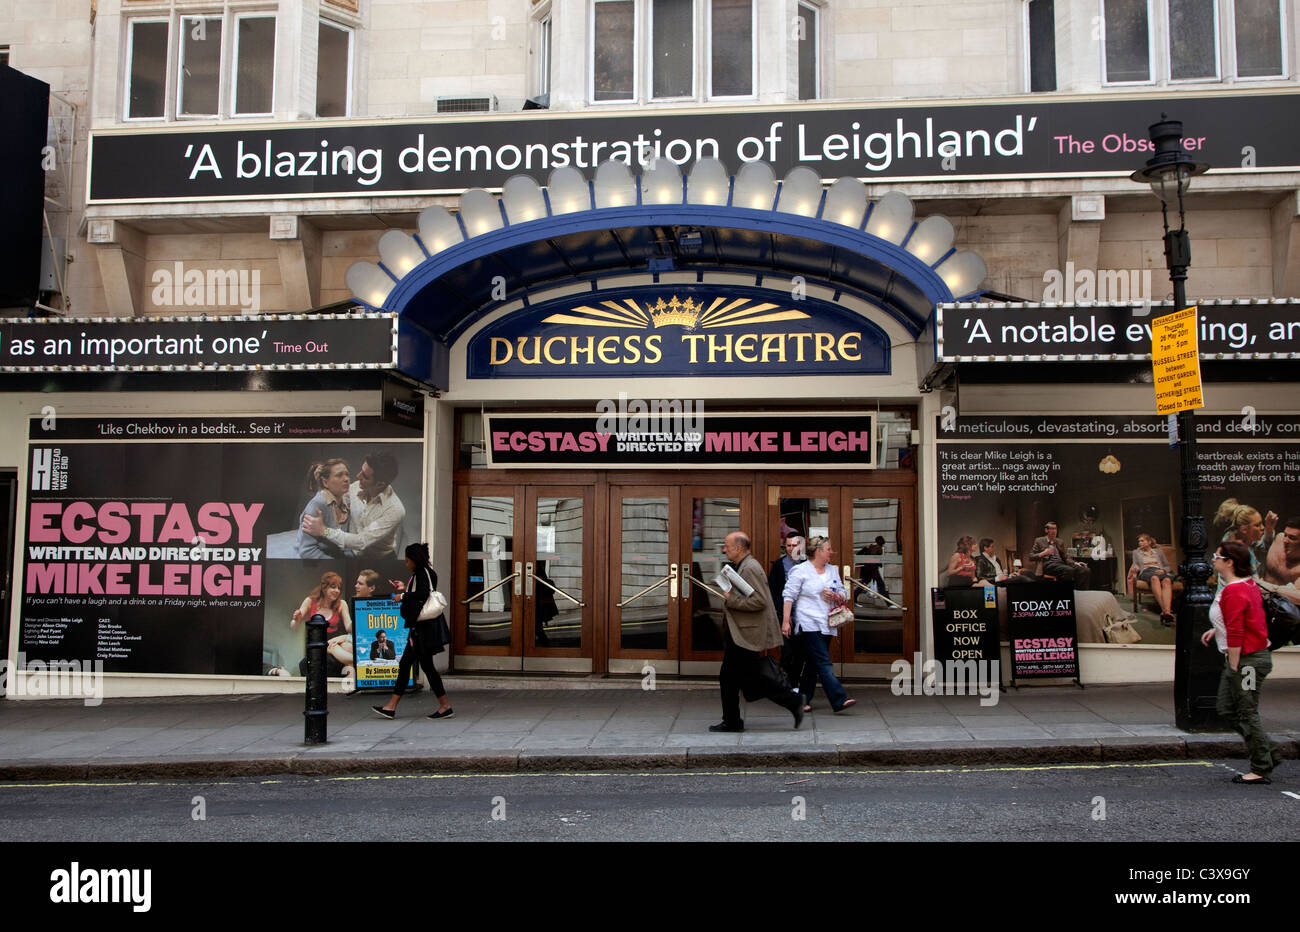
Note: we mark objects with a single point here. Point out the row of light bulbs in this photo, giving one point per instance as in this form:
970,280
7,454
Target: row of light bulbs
754,187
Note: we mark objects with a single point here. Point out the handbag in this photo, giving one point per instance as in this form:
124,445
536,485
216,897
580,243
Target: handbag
434,605
1282,617
840,616
768,680
1120,631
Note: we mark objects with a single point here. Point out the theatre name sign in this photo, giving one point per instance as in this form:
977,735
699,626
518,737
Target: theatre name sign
679,330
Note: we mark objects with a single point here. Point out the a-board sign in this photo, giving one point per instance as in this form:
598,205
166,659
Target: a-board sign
1043,632
965,623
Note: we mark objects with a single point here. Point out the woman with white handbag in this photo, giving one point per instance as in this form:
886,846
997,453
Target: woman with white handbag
422,609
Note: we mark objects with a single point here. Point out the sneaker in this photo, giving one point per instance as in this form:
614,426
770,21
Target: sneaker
383,713
723,726
442,713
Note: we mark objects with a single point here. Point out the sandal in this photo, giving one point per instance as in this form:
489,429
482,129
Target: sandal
848,704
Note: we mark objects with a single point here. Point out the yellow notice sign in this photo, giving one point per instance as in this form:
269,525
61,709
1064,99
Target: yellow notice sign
1176,361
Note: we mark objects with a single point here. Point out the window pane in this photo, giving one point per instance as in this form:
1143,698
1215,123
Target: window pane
255,70
643,619
200,65
1191,40
712,519
1259,38
807,53
148,82
612,58
332,69
674,44
1128,55
489,553
557,621
1042,45
733,42
544,56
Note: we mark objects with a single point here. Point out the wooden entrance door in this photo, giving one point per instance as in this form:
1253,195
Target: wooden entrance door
665,547
525,577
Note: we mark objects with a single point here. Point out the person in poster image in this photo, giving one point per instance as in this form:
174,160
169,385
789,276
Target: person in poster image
1283,564
367,587
1151,567
327,600
383,648
987,567
961,565
1053,558
423,639
377,512
328,484
1243,523
1241,634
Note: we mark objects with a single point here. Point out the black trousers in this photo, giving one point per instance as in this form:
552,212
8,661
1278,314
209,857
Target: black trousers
739,670
419,649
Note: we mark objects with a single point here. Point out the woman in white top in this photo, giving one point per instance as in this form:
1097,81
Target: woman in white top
815,588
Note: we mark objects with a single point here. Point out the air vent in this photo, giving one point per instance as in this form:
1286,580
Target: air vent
486,104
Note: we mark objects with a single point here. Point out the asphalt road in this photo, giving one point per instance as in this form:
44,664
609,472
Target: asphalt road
1162,801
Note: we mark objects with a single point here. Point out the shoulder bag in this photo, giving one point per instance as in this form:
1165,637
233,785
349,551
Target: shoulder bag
434,605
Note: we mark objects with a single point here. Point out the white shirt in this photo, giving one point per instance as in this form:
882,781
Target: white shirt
804,588
376,521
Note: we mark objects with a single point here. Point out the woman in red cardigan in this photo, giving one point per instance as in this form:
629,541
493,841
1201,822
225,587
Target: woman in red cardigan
1242,635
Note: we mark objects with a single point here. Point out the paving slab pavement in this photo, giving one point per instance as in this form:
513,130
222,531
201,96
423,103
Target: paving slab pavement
552,723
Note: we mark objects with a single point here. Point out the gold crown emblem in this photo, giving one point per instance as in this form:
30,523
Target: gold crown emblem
684,313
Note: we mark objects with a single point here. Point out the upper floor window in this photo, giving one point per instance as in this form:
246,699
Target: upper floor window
809,46
207,63
660,49
1191,36
542,54
1040,30
333,70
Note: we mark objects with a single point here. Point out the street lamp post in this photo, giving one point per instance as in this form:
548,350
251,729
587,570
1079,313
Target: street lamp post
1196,673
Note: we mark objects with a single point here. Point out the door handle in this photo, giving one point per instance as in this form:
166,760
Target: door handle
672,580
528,580
867,589
495,585
560,591
702,584
518,578
648,589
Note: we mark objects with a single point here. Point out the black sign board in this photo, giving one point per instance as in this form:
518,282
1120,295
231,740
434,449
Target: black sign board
925,140
649,435
403,405
24,114
191,344
984,332
1043,632
965,624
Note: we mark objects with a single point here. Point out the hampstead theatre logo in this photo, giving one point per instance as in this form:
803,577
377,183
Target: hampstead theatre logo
717,330
49,470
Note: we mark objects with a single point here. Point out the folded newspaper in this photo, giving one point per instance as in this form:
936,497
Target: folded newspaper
729,578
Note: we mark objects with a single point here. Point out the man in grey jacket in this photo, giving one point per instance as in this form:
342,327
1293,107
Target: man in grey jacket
751,627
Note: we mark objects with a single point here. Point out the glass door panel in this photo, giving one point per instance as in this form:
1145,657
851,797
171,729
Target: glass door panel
556,583
492,575
644,581
712,519
882,524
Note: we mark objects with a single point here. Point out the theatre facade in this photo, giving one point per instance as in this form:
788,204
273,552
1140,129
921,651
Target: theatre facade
587,344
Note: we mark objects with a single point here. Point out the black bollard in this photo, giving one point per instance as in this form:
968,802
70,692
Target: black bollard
317,713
